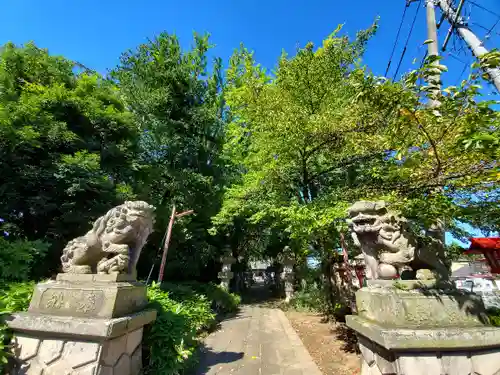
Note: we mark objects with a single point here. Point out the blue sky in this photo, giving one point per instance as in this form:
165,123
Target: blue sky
95,32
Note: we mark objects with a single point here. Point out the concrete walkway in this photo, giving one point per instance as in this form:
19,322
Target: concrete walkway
258,341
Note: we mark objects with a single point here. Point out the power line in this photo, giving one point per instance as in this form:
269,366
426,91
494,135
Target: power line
461,74
408,39
489,30
492,27
396,41
483,8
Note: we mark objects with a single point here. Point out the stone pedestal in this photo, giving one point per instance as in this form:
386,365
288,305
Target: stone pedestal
82,324
409,328
288,278
226,275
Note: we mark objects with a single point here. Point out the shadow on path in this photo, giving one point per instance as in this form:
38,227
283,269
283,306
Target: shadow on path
209,359
260,294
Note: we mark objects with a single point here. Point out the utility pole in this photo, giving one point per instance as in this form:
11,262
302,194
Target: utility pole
166,242
174,216
469,37
432,49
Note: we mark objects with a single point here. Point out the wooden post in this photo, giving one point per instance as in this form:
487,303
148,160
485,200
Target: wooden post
165,245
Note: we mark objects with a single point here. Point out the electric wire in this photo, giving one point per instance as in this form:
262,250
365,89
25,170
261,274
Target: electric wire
483,8
407,39
396,41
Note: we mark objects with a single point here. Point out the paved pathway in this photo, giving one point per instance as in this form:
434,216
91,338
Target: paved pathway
258,341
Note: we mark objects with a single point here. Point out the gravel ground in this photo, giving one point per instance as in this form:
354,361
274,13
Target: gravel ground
332,355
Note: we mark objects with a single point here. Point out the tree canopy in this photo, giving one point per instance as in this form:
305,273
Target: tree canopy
265,159
323,132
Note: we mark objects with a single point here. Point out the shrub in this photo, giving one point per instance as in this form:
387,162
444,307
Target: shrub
494,316
171,340
221,300
310,298
13,297
18,257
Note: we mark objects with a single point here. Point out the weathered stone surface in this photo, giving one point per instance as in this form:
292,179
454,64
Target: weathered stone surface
136,360
366,349
414,328
79,353
225,275
133,341
50,350
98,278
377,360
123,365
80,327
107,370
389,247
397,338
457,363
84,323
486,362
80,357
87,370
419,364
88,299
113,349
420,308
26,347
114,243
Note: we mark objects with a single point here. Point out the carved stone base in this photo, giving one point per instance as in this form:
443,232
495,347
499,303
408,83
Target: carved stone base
412,303
407,328
438,351
87,295
55,345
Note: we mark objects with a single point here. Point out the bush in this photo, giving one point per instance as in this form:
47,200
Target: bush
494,316
310,298
18,257
13,297
169,343
221,300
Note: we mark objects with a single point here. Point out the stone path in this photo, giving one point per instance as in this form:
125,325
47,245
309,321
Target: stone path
257,341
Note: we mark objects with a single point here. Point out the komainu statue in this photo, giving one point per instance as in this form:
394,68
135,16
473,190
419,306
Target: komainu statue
114,243
390,248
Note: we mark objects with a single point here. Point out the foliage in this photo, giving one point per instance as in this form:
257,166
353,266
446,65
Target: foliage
294,136
13,297
171,340
494,316
184,310
73,144
66,144
178,106
323,132
16,296
221,300
17,258
310,298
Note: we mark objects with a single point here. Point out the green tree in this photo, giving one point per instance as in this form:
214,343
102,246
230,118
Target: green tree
296,137
323,132
67,146
178,107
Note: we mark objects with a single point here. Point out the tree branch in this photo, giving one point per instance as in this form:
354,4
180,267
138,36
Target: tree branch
431,141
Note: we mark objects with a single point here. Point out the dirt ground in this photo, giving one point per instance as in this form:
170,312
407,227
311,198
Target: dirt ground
332,355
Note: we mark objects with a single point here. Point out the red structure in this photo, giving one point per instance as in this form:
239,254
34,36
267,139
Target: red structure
490,248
